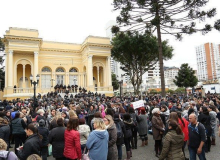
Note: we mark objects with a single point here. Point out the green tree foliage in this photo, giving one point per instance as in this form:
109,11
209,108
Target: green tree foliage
137,53
171,91
2,72
171,17
180,90
153,91
186,77
115,83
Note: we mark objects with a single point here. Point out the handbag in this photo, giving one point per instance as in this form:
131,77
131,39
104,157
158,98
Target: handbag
85,156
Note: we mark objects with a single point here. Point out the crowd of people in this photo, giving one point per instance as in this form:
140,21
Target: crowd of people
96,127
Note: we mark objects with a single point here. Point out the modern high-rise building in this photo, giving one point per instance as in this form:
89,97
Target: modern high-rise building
170,72
208,61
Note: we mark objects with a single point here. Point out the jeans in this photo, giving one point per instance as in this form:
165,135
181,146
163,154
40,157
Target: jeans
119,147
19,140
193,153
128,143
44,152
158,146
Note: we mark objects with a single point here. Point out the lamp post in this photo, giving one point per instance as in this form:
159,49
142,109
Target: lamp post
34,83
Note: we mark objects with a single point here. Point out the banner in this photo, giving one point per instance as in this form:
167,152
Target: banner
138,104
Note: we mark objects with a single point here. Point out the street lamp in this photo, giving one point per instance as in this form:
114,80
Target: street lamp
34,83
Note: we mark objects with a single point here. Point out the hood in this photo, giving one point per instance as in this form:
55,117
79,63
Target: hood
101,133
176,139
117,120
213,113
3,154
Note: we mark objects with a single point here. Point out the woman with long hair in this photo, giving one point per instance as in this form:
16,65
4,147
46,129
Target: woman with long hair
142,127
184,126
112,131
32,144
97,143
72,149
173,142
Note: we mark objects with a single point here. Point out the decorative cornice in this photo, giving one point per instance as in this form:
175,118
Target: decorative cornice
11,37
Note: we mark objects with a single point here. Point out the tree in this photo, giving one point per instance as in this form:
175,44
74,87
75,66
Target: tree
115,82
2,72
172,17
180,90
137,53
186,77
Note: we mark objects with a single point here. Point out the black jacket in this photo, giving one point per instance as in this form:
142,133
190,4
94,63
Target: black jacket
56,138
44,132
5,133
205,120
120,141
31,146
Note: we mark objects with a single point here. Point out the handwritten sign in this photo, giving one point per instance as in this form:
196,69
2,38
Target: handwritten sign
138,104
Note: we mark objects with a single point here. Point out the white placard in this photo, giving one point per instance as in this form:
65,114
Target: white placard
138,104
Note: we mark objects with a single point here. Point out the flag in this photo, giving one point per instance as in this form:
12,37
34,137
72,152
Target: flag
212,88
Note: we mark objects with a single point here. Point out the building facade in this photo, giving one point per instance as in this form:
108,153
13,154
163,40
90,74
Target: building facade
171,72
208,61
86,65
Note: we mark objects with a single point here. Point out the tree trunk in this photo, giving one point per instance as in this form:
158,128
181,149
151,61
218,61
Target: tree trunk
163,92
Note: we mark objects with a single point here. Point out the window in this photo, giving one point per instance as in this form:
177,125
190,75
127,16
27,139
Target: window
59,70
72,70
46,81
46,69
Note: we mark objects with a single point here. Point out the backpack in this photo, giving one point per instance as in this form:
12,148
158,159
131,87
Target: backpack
1,158
119,130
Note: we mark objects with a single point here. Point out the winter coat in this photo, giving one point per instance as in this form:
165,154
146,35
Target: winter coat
205,119
120,141
11,155
5,133
112,148
31,146
172,146
72,147
142,125
97,145
56,138
128,128
213,115
18,126
84,131
44,132
184,128
157,127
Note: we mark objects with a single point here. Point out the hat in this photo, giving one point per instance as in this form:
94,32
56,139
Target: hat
155,110
41,122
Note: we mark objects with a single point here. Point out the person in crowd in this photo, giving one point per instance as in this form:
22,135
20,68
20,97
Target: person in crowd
32,144
56,139
8,116
112,131
197,138
213,114
91,113
34,157
18,131
158,130
135,128
96,115
44,132
84,131
40,115
184,126
26,112
72,148
173,142
142,127
97,141
51,115
120,134
129,124
4,154
53,122
5,131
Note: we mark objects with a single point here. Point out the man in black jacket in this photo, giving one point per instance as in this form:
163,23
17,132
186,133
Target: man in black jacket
44,132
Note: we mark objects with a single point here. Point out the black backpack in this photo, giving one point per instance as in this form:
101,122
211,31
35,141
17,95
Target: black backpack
1,158
119,131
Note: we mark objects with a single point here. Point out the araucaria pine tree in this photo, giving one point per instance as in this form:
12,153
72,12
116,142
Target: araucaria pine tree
173,17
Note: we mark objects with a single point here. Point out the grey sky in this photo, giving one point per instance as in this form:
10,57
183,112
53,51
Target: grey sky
73,20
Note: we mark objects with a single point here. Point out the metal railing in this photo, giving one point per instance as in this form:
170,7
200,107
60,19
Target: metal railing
101,88
23,90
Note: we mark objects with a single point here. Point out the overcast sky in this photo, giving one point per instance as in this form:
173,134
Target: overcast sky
73,20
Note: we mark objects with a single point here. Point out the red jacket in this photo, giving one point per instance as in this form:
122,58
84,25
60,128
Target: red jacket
72,149
184,128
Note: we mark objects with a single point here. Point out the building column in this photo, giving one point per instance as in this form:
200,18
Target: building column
98,83
23,83
109,76
6,70
90,71
10,69
35,65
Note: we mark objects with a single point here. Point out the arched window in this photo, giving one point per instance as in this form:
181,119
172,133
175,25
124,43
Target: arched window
59,70
73,70
46,69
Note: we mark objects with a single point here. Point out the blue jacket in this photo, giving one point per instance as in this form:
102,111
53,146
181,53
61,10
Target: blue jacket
97,143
